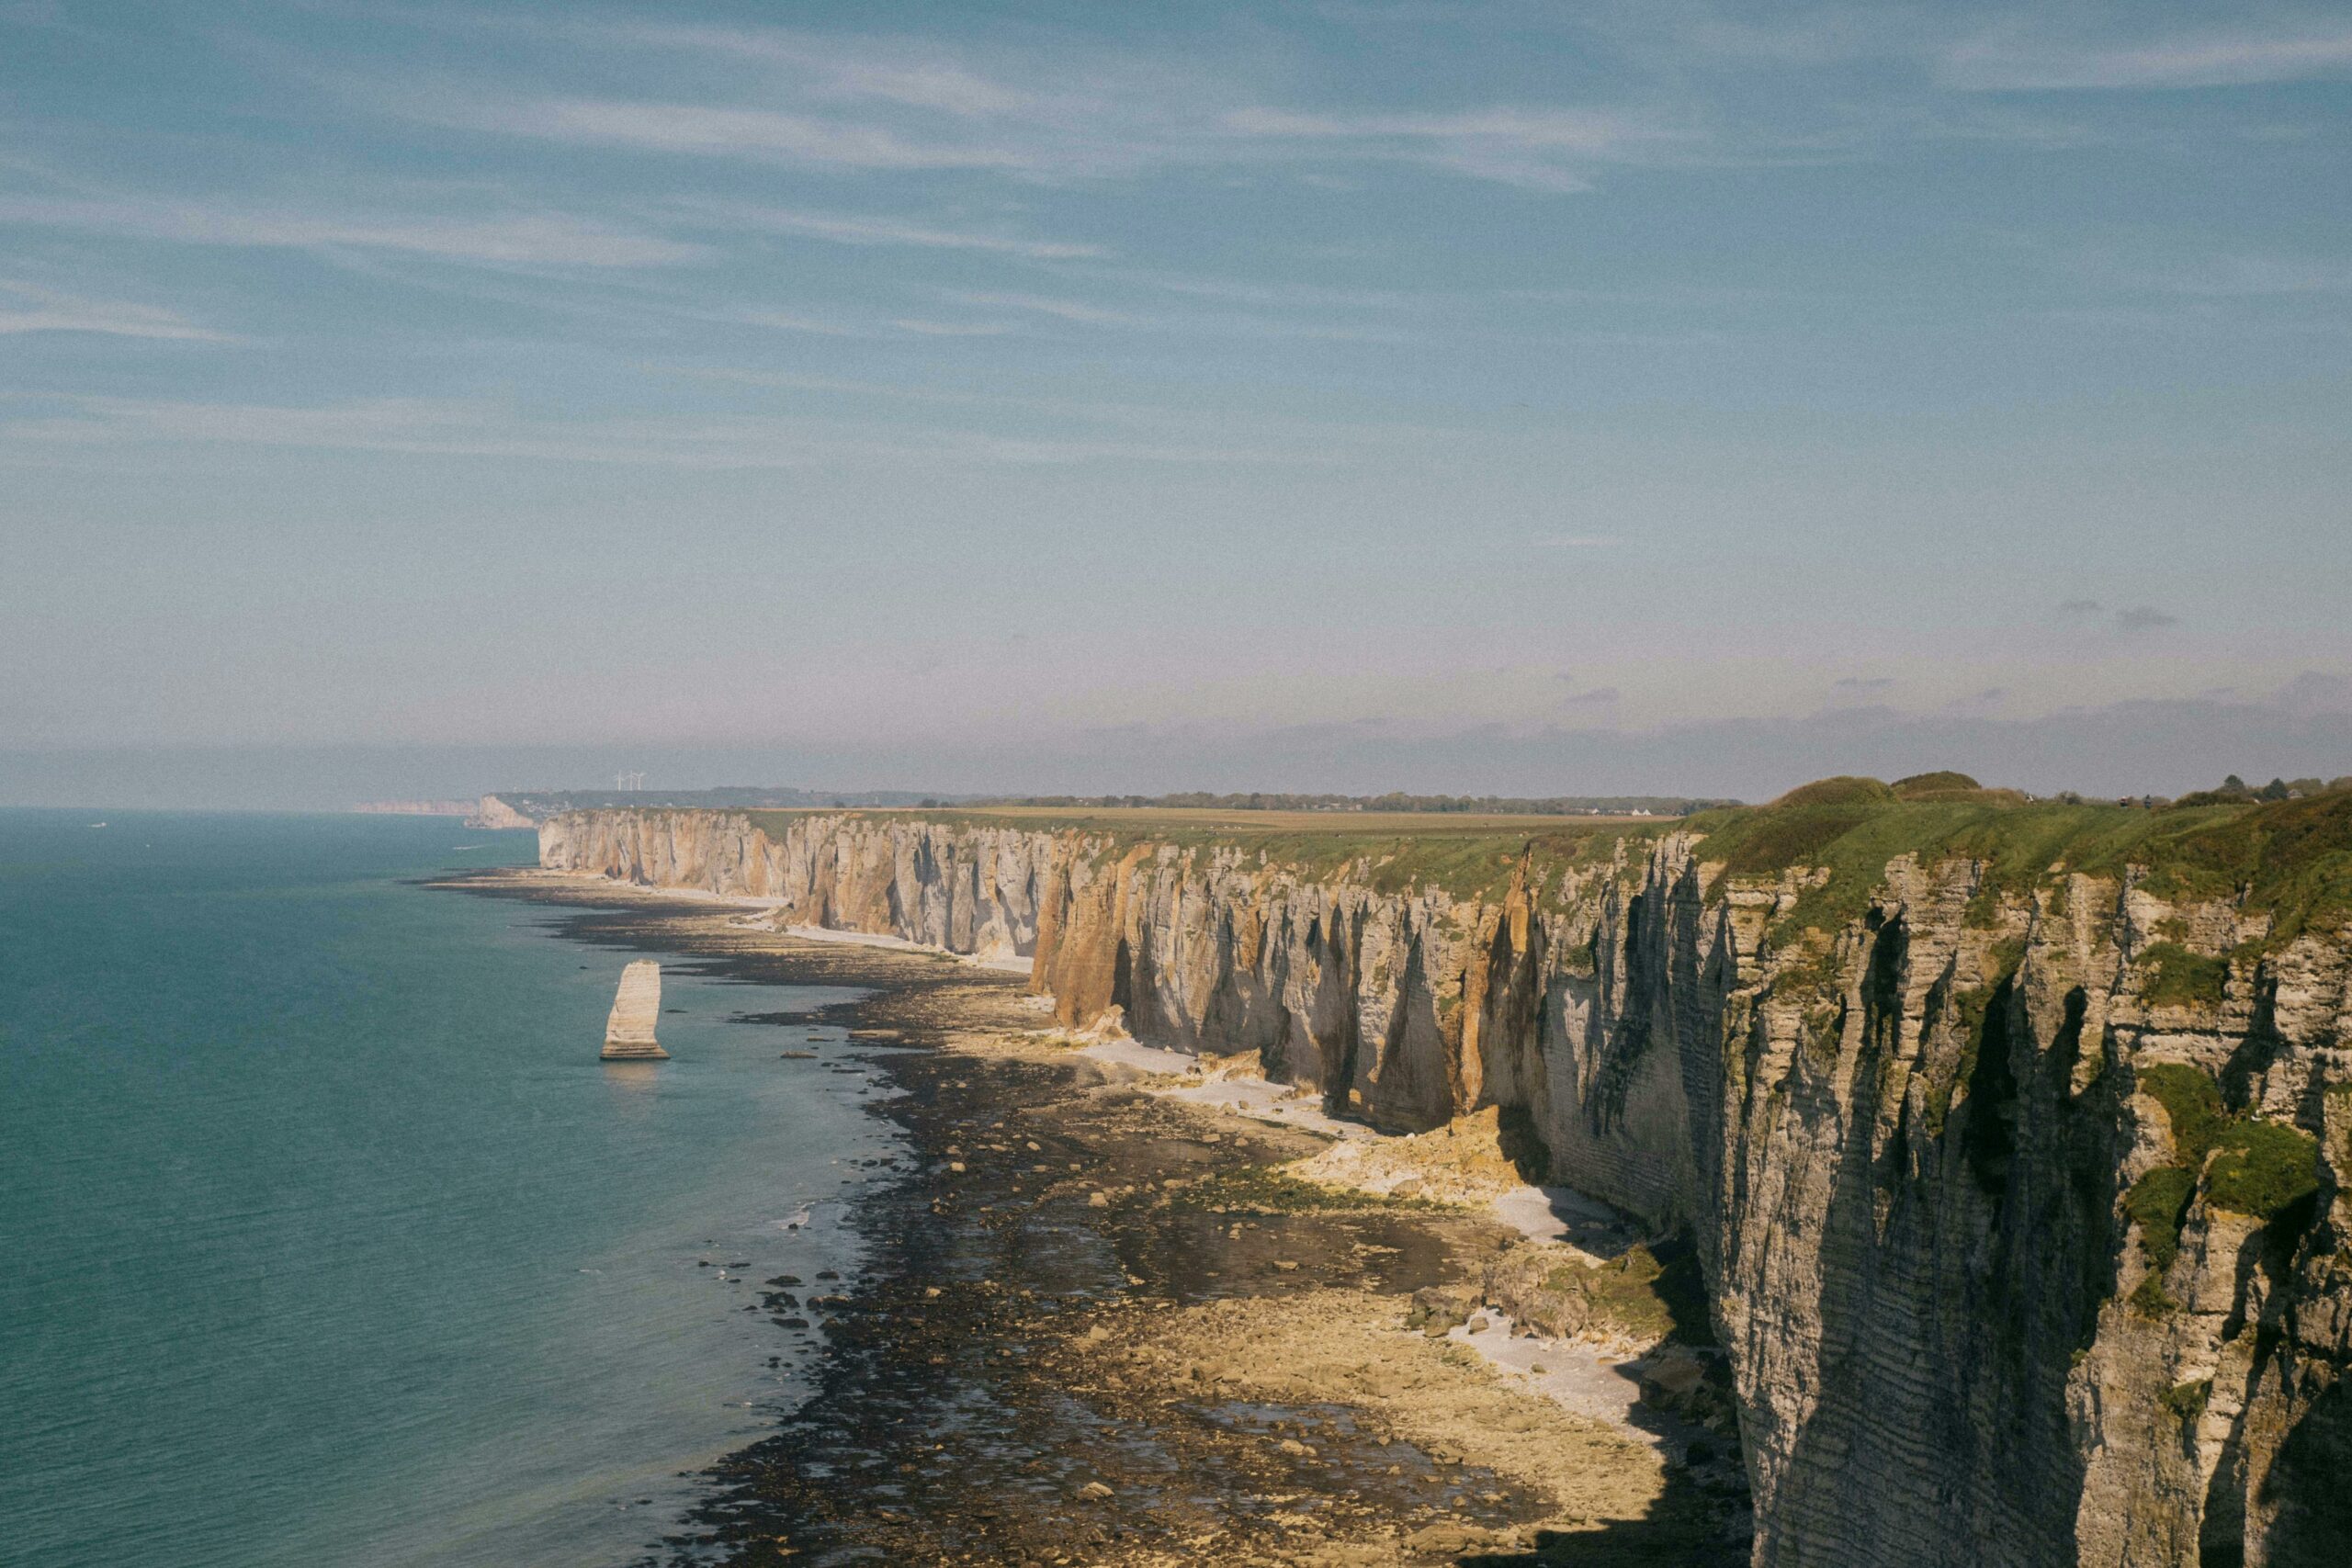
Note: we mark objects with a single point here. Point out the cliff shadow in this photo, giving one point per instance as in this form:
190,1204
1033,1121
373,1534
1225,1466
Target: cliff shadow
1688,1525
1411,1088
2305,1491
1702,1515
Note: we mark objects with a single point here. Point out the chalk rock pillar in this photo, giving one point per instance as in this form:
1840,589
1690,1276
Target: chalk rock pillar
628,1034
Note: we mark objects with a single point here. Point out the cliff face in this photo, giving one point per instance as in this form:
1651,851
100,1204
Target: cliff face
491,811
969,891
2019,1197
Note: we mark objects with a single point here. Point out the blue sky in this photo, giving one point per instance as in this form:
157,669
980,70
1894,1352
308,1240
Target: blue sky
1346,394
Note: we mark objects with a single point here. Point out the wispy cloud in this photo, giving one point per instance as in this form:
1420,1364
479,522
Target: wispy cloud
908,73
852,231
465,427
1548,148
1277,294
865,327
1066,111
2129,619
29,308
2014,59
1081,313
2246,276
922,328
735,131
2315,691
1988,48
530,238
1209,424
795,321
1979,702
1062,310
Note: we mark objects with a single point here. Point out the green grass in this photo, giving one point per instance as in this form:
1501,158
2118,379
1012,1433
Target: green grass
1846,789
2186,1400
2192,1103
2159,1200
2292,860
2152,1300
2157,1203
1638,1295
2264,1167
1856,841
1945,782
2179,977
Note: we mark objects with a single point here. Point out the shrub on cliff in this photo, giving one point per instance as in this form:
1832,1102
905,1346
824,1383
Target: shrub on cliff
2159,1200
2259,1167
2192,1103
2263,1168
2177,977
2157,1203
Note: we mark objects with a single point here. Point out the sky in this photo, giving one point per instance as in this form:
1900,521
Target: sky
1535,397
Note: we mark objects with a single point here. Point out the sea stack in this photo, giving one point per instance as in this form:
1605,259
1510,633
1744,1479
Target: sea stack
628,1034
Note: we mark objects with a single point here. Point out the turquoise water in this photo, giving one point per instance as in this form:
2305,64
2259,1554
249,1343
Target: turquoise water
325,1240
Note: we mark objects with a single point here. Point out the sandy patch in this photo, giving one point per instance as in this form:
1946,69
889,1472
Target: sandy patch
1444,1411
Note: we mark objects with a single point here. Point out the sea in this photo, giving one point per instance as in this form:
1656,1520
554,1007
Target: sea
325,1238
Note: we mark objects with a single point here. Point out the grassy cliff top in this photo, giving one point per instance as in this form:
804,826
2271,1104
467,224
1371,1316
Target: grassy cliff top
1465,854
1162,822
2291,859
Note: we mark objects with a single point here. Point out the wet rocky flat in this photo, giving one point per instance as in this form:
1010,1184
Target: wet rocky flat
1096,1325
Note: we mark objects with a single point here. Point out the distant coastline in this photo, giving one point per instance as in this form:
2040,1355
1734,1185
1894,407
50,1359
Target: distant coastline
488,811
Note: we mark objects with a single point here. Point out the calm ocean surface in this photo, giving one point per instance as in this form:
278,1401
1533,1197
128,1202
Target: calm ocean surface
325,1240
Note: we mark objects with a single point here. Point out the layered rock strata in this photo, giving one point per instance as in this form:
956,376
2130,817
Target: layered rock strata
2022,1253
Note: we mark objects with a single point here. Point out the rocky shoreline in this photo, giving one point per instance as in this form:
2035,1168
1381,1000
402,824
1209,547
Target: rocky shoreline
1097,1326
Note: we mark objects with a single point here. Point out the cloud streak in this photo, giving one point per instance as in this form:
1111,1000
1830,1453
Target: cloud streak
1084,313
735,131
849,231
543,239
1543,148
29,308
474,428
2009,61
1065,112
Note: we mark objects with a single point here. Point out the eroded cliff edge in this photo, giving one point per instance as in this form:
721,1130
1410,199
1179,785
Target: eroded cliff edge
2010,1136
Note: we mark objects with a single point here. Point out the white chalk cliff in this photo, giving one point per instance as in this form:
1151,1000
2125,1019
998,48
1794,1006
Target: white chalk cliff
1994,1294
